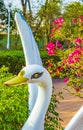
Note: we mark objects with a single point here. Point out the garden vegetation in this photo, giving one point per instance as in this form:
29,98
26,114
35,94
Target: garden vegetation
14,100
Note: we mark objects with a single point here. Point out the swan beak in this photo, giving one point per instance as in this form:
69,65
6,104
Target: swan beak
16,81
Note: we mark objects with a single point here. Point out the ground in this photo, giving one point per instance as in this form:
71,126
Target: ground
69,105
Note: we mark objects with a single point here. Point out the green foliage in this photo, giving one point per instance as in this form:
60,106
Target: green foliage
15,42
52,120
12,59
44,18
3,41
73,9
3,12
13,103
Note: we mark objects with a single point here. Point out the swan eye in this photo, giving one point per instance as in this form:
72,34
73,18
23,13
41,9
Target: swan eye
21,73
36,75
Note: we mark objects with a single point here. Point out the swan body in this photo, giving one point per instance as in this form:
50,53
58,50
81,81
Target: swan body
39,75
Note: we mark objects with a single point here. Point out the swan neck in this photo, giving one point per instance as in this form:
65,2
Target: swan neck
36,118
41,105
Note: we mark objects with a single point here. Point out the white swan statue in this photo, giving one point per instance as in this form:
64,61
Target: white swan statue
32,55
31,52
35,74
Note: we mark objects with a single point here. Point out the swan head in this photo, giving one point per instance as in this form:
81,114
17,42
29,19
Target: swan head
29,74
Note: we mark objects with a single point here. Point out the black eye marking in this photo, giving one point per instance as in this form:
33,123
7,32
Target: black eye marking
36,75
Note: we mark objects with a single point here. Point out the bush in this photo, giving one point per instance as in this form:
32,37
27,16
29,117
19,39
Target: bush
12,59
52,119
69,48
3,40
13,103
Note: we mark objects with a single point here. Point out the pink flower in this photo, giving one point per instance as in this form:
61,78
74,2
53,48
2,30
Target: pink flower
76,52
58,44
59,21
70,60
76,47
51,35
74,20
57,69
50,48
51,52
77,89
59,25
78,41
66,79
61,68
81,48
55,21
50,64
80,18
52,30
74,56
50,45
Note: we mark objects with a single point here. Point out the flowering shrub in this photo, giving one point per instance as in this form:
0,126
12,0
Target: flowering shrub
68,47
